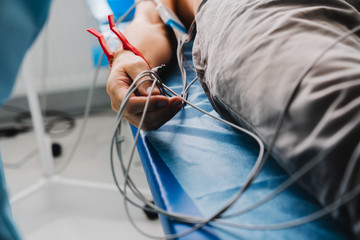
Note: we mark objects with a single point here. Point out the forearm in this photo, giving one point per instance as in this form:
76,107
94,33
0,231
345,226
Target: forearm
150,35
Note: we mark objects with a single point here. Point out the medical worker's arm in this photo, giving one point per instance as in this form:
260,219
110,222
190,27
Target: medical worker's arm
150,36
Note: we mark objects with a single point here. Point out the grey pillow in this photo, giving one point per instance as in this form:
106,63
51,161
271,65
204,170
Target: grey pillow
248,56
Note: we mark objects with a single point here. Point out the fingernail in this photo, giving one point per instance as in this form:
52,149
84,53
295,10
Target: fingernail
161,104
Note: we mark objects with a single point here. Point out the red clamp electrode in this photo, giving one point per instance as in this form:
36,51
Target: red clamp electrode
125,43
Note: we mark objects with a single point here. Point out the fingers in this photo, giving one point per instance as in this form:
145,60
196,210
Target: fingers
133,65
117,91
117,88
155,117
137,104
125,68
144,88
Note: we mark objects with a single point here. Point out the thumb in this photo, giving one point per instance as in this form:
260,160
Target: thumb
134,70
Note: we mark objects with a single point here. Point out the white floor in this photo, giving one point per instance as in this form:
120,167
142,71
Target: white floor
81,203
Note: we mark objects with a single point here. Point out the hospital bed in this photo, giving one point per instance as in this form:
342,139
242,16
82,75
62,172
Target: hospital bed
194,164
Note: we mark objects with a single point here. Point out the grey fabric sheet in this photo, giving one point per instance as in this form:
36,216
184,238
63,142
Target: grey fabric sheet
248,55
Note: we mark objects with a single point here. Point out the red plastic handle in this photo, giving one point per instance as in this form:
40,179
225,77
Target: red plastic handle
108,52
125,42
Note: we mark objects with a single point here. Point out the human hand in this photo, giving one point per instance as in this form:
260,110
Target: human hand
126,67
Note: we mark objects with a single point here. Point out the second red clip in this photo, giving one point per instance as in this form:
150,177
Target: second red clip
125,43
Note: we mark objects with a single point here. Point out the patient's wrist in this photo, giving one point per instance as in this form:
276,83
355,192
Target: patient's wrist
126,58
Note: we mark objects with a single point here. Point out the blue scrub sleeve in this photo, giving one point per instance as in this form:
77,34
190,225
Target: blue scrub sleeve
20,23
